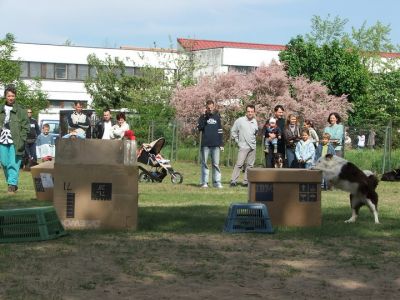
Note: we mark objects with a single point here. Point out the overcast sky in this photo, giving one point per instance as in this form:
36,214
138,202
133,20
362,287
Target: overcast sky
146,23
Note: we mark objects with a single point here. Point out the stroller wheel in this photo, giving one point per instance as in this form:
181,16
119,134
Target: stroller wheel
144,177
176,177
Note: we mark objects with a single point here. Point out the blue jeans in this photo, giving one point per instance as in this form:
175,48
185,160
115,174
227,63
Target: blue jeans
10,163
216,172
291,158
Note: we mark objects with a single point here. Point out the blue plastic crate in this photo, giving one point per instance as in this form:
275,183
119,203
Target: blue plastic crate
248,217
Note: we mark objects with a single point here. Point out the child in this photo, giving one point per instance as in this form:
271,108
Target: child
305,150
308,124
272,134
324,148
45,148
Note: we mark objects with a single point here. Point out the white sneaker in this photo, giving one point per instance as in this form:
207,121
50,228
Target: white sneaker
219,186
204,186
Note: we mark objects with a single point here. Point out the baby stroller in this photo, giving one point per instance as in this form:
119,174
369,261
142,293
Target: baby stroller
149,154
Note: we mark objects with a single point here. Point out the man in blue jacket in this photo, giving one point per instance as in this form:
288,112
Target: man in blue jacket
211,143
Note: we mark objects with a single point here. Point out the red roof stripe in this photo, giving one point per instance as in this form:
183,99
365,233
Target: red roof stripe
193,45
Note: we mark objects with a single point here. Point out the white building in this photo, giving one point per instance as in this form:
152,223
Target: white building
63,69
215,57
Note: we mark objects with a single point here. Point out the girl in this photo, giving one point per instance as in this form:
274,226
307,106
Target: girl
305,150
308,124
118,130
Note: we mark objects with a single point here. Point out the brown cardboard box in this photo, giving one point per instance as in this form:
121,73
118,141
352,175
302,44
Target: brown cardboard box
95,191
43,180
292,196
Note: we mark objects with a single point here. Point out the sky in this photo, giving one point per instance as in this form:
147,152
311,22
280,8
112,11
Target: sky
149,23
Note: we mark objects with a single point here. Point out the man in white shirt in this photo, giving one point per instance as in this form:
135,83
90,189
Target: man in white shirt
244,132
102,129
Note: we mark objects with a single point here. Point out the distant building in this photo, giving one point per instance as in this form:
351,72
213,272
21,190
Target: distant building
216,57
63,69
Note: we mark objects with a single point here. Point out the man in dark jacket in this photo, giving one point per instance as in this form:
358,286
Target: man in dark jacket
30,145
102,129
211,143
280,121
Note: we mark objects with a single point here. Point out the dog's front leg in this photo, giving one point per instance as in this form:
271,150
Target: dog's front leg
373,210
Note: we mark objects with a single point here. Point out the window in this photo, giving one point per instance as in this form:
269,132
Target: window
130,71
93,72
34,69
24,69
61,71
242,69
83,72
71,72
48,71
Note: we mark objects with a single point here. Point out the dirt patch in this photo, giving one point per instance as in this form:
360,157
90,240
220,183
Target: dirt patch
216,266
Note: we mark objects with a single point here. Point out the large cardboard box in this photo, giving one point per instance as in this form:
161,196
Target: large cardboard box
93,189
292,196
43,180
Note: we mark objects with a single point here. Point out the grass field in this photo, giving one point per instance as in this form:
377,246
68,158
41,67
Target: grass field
180,252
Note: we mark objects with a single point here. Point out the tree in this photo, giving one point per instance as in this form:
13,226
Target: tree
147,93
338,67
28,94
264,87
326,31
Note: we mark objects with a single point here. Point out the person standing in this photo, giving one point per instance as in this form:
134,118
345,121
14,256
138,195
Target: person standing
211,144
244,132
336,131
305,150
292,137
102,129
30,145
78,122
14,132
118,130
280,122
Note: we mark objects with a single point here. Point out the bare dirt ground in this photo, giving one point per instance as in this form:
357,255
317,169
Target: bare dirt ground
197,266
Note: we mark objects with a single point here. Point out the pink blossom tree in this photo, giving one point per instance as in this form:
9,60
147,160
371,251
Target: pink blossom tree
265,87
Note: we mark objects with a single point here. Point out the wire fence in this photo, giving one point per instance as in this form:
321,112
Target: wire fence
378,142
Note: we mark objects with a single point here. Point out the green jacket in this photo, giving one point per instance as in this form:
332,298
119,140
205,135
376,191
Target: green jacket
19,126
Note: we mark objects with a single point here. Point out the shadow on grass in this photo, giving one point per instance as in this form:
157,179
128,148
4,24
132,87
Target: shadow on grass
210,219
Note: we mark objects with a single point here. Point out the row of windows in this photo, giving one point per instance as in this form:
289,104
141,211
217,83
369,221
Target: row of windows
63,71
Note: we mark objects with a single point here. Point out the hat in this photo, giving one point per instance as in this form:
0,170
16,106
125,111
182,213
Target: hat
272,121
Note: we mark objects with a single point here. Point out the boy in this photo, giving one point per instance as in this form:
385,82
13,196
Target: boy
45,148
323,149
272,135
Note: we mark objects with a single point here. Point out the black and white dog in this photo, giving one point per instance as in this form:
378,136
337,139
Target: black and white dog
348,177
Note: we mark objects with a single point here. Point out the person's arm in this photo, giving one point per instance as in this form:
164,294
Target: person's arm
297,152
71,123
37,129
235,131
84,125
201,124
25,125
220,132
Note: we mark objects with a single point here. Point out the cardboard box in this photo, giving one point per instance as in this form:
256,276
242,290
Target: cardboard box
292,196
93,188
43,180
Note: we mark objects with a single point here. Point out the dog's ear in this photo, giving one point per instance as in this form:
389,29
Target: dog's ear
329,156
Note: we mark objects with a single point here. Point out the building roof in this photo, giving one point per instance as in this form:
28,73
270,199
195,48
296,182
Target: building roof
193,45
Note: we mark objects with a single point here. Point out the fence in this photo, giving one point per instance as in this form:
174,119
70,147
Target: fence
377,153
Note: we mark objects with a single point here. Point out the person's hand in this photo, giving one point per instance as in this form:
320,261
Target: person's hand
222,149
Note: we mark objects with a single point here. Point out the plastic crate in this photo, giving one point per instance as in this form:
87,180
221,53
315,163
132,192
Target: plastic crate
29,224
248,217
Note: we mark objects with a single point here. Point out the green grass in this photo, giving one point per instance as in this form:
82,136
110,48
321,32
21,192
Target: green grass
180,248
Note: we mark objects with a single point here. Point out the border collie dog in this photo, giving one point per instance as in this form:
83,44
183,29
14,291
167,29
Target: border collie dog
278,160
348,177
